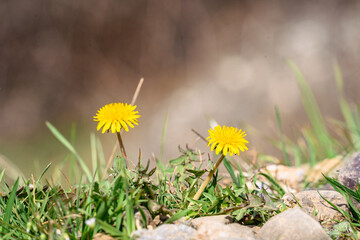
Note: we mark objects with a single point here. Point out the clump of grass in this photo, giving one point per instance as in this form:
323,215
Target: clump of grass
315,142
110,196
95,205
353,216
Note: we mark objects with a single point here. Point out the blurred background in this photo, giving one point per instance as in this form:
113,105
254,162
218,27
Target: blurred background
60,61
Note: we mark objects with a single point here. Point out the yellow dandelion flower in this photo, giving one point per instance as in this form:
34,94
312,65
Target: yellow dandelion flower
115,116
227,140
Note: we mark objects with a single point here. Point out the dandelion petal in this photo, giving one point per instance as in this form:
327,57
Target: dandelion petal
227,140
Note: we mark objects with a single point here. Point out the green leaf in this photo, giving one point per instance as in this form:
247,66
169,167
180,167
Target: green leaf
297,156
269,204
274,184
340,187
283,145
241,177
311,146
16,230
143,215
67,144
152,172
241,213
102,209
42,174
177,216
191,179
147,166
197,173
344,213
212,198
130,219
231,172
10,202
254,200
178,161
109,228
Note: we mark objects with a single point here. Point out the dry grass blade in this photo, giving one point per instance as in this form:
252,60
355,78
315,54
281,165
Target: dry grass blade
137,91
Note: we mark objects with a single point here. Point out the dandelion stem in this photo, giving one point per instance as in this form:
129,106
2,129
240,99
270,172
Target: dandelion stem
122,148
207,180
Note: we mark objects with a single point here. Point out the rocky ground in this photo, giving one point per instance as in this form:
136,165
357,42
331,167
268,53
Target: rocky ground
294,223
308,216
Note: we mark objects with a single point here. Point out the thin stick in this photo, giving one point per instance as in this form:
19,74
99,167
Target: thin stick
199,135
72,190
136,94
122,148
207,180
139,157
200,158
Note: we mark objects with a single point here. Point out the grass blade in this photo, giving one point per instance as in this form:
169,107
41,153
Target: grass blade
344,213
241,177
297,156
311,146
16,229
177,216
130,220
109,228
95,165
42,174
283,146
276,186
2,175
67,144
313,112
346,110
339,187
10,203
101,155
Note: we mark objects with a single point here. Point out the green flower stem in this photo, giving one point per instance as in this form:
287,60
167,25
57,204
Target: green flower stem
122,148
207,180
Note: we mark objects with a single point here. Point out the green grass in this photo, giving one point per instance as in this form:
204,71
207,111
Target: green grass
315,142
51,211
106,196
326,145
353,216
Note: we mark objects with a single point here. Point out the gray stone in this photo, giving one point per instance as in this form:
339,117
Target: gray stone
289,178
220,231
183,220
314,205
350,173
292,224
224,219
166,232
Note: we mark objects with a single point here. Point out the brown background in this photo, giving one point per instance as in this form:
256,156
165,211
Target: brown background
62,60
